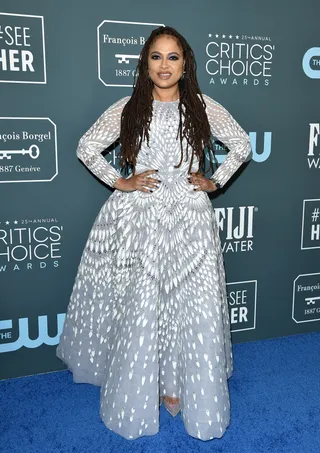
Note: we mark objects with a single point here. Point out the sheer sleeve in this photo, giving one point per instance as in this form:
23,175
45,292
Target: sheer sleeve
229,132
102,134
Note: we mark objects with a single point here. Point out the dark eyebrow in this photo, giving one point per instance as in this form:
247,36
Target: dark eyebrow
170,53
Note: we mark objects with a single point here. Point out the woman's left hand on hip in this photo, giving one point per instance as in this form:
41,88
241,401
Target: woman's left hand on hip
201,183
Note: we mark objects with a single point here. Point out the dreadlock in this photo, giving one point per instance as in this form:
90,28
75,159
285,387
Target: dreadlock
137,114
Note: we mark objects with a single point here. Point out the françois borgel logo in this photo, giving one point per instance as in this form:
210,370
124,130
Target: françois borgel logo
22,49
311,63
239,59
14,334
306,298
30,244
28,150
119,47
242,302
236,228
314,145
310,231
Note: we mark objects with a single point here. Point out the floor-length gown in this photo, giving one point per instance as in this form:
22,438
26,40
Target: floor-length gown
148,313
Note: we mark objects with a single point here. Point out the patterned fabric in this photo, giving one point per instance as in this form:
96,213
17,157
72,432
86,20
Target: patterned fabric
148,314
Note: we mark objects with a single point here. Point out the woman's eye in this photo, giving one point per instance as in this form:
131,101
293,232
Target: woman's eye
173,57
155,57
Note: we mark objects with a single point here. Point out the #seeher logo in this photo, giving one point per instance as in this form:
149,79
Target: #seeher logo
22,49
242,302
310,231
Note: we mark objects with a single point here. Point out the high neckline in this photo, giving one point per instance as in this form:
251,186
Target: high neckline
167,102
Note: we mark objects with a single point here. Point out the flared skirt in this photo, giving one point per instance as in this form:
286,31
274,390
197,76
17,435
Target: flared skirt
148,315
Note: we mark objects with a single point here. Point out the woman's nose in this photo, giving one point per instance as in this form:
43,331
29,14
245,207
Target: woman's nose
164,64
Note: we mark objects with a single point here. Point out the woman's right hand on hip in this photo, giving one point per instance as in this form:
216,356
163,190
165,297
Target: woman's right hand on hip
141,181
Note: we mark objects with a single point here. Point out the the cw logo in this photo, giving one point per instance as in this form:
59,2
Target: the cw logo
256,156
312,56
24,339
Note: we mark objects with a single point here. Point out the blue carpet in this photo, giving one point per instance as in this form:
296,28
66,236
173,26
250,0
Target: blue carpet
275,407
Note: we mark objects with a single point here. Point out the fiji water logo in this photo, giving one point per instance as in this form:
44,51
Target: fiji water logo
22,335
314,149
236,228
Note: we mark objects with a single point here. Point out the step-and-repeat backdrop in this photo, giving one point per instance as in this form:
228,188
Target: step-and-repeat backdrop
63,63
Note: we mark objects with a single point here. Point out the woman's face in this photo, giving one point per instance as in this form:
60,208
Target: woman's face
165,62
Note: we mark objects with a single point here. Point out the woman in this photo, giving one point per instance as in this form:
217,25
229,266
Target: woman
148,318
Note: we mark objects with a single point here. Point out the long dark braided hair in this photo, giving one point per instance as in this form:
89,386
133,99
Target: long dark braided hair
137,114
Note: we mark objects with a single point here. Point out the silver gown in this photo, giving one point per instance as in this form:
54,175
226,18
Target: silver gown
148,314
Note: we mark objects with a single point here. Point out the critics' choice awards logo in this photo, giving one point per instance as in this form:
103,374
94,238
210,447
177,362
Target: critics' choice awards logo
234,59
14,334
311,63
30,244
242,302
119,47
310,232
314,146
28,150
306,298
22,49
236,228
